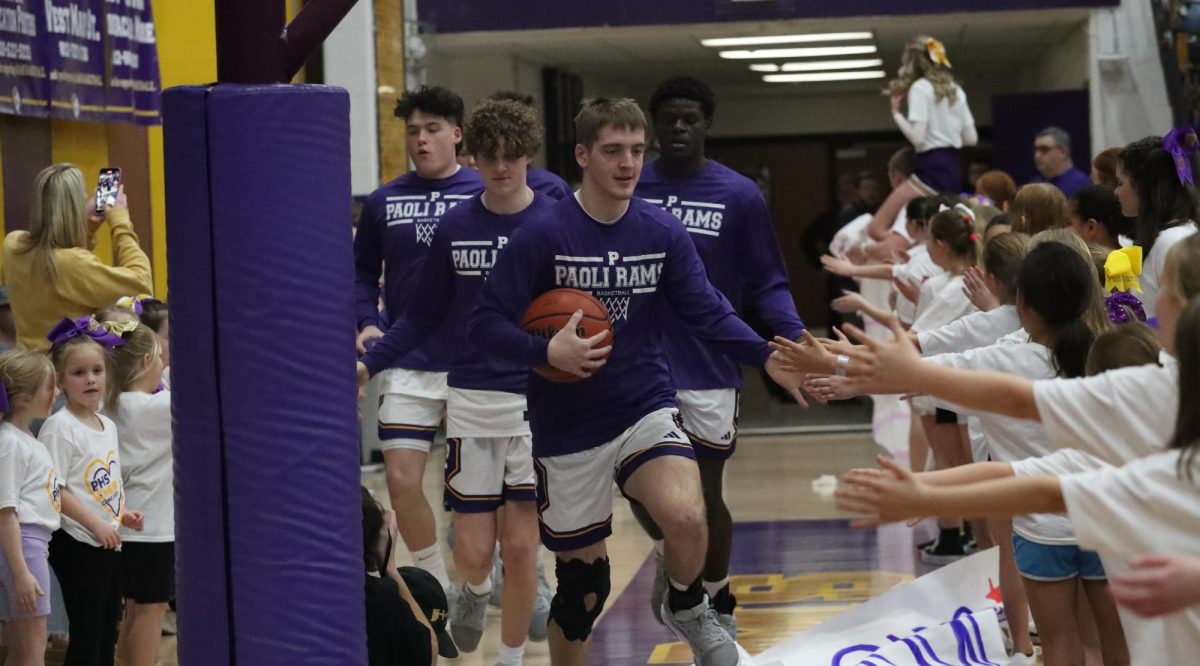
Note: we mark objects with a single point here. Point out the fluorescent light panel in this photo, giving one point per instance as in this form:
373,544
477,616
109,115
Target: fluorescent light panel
785,39
818,66
823,76
804,52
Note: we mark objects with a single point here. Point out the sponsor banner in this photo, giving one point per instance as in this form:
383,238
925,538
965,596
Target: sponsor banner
948,617
74,48
23,79
134,93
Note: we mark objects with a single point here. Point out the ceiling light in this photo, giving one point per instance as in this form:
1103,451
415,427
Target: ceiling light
764,67
806,52
823,76
785,39
824,65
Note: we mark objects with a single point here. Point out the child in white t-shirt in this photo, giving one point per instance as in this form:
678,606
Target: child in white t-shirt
30,503
142,413
83,444
1149,505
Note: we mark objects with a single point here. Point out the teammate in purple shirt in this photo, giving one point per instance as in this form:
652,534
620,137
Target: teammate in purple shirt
490,461
397,227
620,423
727,220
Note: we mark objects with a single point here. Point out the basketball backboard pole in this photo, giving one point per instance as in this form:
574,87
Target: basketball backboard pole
254,45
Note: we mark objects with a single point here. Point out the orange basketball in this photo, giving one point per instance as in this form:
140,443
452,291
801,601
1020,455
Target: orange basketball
548,313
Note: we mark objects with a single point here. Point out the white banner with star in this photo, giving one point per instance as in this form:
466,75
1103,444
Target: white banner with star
949,616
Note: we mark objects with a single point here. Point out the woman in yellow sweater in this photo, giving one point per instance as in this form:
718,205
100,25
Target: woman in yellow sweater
50,270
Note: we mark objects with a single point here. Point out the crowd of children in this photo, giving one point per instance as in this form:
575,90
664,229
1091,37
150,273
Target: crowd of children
1070,477
87,491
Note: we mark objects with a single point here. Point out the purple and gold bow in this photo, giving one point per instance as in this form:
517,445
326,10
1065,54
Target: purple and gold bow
133,302
1181,143
86,326
1121,305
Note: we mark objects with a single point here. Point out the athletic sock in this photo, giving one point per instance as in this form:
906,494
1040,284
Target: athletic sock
682,597
511,656
430,559
482,589
713,587
659,547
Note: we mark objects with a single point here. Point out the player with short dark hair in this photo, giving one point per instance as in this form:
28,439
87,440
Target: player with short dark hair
620,423
395,231
727,220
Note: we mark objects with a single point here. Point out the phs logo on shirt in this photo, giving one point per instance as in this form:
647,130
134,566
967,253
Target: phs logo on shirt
699,217
54,484
103,481
420,210
612,279
476,258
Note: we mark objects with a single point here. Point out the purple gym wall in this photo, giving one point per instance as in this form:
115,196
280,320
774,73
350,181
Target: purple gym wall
268,514
482,15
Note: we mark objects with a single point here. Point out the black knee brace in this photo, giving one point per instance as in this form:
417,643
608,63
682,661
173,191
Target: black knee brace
576,580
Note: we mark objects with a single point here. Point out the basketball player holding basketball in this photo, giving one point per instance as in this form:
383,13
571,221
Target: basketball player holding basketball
620,423
489,463
727,219
396,229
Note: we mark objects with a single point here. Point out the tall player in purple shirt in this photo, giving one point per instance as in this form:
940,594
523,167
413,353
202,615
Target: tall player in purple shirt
490,463
396,229
620,423
727,219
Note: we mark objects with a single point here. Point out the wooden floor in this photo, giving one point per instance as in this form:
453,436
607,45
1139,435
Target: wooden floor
769,481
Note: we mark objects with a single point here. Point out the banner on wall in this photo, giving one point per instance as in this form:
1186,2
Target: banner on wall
91,60
22,59
134,88
74,47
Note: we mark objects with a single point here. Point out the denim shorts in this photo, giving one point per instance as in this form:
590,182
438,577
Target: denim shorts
1050,564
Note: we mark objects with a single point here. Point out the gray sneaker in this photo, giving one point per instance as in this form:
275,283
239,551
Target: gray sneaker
728,623
658,594
699,628
466,619
541,605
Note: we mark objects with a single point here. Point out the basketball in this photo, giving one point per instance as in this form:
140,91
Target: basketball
548,313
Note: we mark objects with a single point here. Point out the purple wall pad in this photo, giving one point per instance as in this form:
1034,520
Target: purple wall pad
482,15
266,448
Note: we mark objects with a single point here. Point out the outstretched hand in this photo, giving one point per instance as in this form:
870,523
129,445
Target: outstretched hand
579,356
837,265
907,288
881,496
803,356
976,290
1158,584
849,302
890,365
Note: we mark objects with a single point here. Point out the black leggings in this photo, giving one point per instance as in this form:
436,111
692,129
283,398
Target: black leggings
91,586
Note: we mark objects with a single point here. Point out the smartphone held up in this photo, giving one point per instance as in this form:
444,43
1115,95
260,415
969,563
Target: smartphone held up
107,188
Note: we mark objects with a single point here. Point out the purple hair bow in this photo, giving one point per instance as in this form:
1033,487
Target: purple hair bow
1121,304
70,328
3,398
1181,143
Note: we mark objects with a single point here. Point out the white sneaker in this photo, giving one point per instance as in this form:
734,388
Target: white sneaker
1022,659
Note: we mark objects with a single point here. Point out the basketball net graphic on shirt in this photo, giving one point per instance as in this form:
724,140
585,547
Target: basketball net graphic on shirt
613,279
425,232
617,306
103,481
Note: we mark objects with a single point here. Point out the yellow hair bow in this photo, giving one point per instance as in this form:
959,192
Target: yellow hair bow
1122,268
937,52
120,327
132,302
